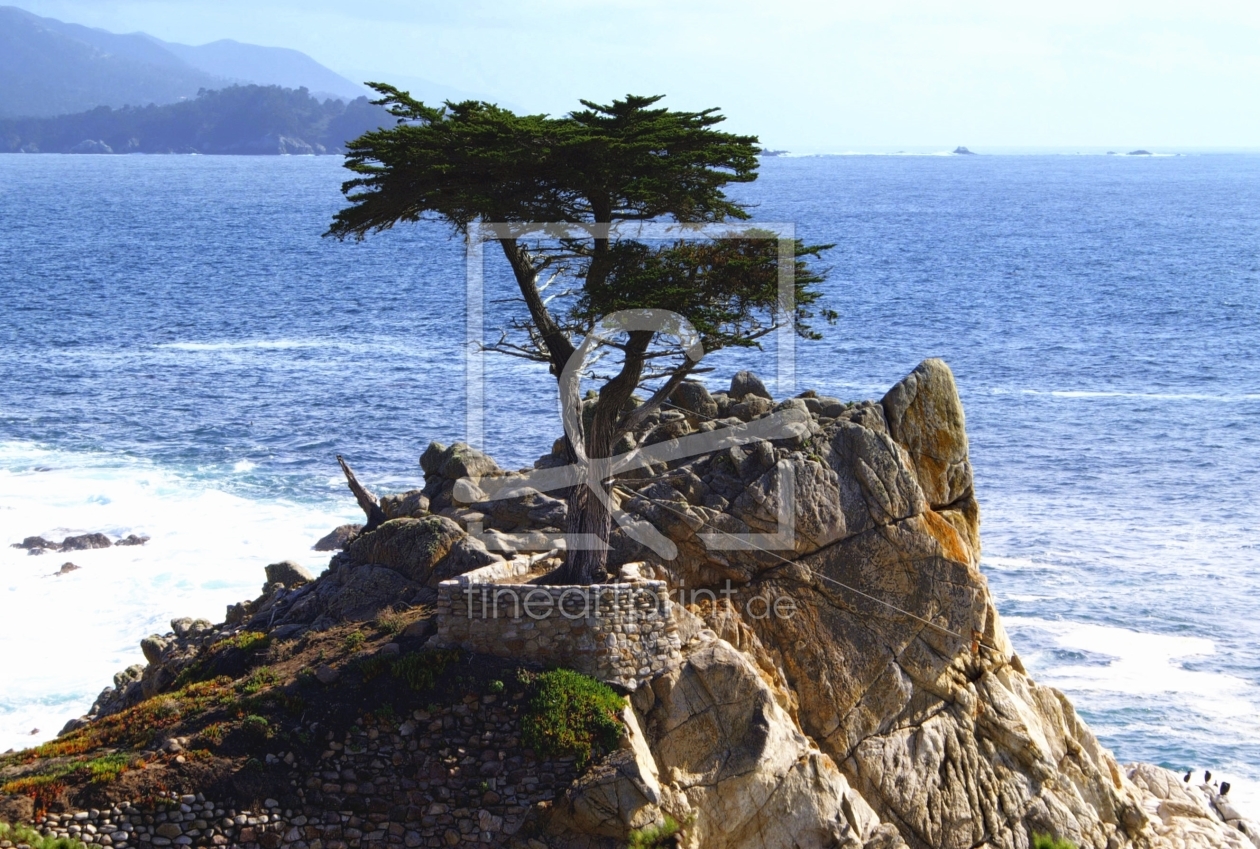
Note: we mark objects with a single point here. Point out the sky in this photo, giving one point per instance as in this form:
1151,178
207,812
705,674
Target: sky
809,77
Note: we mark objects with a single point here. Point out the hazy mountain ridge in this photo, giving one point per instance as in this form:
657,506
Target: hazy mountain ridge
49,67
251,120
251,63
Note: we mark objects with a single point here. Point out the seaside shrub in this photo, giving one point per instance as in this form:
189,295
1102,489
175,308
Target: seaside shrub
655,836
106,769
212,733
1045,841
391,624
256,727
259,679
422,669
20,835
352,641
372,667
246,641
571,714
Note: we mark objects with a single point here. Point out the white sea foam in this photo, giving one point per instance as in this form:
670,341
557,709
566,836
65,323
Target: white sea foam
249,344
993,561
1144,665
65,636
1148,666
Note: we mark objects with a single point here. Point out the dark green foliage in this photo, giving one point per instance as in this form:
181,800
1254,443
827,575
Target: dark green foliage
1045,841
724,288
422,669
372,666
240,119
596,168
572,714
256,727
258,680
630,160
472,159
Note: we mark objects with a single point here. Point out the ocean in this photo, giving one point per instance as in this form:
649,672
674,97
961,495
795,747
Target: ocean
184,355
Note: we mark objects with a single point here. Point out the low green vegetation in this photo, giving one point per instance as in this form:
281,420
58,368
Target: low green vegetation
136,726
256,726
20,835
258,680
422,669
105,769
249,643
571,714
656,836
353,641
46,786
1045,841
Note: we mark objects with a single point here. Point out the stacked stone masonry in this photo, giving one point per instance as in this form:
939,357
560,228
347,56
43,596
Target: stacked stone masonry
458,776
620,633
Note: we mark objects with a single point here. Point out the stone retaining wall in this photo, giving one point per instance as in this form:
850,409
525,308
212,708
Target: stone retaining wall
458,775
620,633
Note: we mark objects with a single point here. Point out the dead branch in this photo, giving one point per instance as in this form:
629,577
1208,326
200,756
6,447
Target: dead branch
367,501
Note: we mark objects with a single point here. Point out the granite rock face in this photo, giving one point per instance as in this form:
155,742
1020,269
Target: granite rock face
844,680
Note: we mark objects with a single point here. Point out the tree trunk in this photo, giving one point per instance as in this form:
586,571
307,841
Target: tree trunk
588,520
586,560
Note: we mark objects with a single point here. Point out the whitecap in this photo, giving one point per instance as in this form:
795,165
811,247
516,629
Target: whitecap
65,636
1145,665
246,345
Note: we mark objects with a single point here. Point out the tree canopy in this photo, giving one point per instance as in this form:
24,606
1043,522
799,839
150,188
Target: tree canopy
597,168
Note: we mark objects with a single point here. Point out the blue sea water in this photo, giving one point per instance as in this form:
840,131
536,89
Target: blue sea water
183,355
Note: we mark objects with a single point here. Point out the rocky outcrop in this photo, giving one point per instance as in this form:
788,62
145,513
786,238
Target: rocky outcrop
845,679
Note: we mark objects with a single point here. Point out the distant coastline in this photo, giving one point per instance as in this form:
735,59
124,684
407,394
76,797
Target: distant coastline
241,120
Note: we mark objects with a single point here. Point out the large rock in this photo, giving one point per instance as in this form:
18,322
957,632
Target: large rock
413,504
424,551
926,417
338,538
463,461
733,762
694,398
363,592
288,573
745,383
889,650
